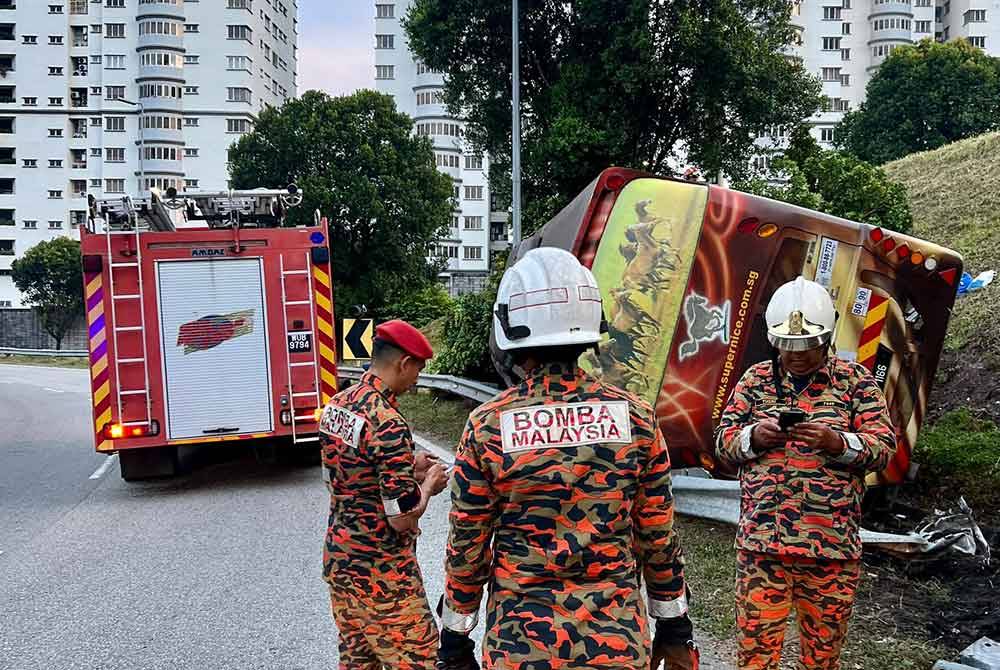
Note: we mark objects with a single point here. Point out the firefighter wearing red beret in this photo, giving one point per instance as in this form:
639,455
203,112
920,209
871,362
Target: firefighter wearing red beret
379,488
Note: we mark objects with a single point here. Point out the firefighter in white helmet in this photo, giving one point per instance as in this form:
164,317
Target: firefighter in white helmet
805,428
561,500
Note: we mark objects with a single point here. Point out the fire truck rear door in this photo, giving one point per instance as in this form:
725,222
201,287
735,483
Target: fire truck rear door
215,347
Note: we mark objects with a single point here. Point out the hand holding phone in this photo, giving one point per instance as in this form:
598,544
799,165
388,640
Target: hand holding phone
790,417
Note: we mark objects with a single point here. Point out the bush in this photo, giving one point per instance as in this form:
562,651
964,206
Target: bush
420,307
960,455
466,351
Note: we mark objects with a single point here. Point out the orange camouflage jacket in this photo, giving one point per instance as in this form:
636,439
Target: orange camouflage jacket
561,505
798,501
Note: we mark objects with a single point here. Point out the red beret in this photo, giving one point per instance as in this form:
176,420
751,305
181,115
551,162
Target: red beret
406,337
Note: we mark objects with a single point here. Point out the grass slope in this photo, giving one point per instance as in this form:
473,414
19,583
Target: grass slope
955,199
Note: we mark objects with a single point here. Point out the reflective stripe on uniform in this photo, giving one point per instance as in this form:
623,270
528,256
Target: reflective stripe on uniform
455,621
668,609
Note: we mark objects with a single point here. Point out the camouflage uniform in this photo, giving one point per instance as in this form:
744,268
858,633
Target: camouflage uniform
798,538
376,589
562,533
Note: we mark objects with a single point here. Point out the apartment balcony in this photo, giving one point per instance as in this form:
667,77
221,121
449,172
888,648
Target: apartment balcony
78,98
7,156
8,95
892,7
151,40
162,8
79,37
162,134
168,168
891,35
161,72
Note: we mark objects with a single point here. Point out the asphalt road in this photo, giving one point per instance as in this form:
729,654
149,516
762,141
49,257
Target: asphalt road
215,569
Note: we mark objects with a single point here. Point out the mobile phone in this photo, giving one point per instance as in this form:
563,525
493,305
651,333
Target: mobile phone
789,417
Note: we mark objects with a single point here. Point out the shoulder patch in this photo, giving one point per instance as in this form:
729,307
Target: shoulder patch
339,423
565,425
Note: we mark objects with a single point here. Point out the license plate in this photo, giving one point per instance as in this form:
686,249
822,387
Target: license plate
299,342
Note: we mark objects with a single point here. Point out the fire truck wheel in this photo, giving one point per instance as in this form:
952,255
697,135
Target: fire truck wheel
150,463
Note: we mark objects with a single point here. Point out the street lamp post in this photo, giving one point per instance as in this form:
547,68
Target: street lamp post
142,145
516,134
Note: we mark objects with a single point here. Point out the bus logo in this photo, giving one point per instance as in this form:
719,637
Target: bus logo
704,324
209,332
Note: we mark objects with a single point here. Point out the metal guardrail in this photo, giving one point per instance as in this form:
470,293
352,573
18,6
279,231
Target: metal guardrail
465,388
61,353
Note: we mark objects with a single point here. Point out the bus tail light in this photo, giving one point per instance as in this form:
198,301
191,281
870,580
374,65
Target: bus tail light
767,230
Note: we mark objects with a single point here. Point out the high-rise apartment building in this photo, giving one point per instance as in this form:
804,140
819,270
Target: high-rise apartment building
843,42
476,226
112,97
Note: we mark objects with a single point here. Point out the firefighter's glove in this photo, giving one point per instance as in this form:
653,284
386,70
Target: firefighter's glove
673,645
457,652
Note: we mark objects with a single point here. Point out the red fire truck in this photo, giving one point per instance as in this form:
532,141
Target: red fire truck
208,322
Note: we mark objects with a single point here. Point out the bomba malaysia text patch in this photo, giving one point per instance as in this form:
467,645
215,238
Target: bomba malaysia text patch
565,425
340,423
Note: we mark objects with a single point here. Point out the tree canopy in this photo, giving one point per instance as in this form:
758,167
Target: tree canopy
923,97
357,161
629,83
50,275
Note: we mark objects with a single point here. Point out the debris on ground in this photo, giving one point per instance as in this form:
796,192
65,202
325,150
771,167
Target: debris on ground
970,284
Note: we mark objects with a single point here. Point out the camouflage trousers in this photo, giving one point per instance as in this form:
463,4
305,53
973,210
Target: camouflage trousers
400,634
769,586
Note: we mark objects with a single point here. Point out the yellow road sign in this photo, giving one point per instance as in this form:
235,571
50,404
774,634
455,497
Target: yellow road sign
358,334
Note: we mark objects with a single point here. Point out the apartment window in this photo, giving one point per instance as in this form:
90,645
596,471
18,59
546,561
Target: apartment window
114,124
55,195
30,39
845,80
31,102
114,92
831,13
830,73
31,162
114,155
114,185
55,9
55,102
55,132
978,42
95,152
473,253
841,105
473,192
239,63
30,224
975,16
922,27
55,40
114,4
385,72
240,4
238,126
191,59
846,4
922,3
385,41
191,122
55,225
473,223
385,11
114,31
190,90
446,251
845,29
55,71
845,54
192,28
235,94
114,62
240,33
190,152
7,217
55,163
191,183
473,162
831,43
95,183
826,134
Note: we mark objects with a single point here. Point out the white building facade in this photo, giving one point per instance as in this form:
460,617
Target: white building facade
843,42
476,228
79,77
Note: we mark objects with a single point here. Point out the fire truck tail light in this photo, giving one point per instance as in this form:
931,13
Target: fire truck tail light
117,431
286,417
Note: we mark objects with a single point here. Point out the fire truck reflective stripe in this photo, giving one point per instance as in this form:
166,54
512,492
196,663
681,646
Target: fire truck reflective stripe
871,334
325,334
100,377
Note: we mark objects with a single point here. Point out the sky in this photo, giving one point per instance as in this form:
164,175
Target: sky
335,45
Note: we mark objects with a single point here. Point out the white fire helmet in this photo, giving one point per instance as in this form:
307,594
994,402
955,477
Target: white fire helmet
800,316
547,299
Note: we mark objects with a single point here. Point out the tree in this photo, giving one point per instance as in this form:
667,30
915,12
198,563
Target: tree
837,184
923,97
357,161
50,275
628,83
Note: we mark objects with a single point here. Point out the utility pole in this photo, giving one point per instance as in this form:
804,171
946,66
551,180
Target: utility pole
516,134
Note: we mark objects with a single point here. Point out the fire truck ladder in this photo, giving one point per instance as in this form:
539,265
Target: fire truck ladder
116,268
314,363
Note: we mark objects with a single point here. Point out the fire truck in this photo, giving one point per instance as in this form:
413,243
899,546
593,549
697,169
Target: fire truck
208,321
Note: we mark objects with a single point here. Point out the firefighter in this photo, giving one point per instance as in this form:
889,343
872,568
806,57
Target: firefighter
804,428
378,490
561,501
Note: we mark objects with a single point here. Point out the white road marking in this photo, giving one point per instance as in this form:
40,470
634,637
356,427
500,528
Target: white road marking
442,454
105,466
46,388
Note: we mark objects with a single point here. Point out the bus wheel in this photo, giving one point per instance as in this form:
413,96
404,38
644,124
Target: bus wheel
149,463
